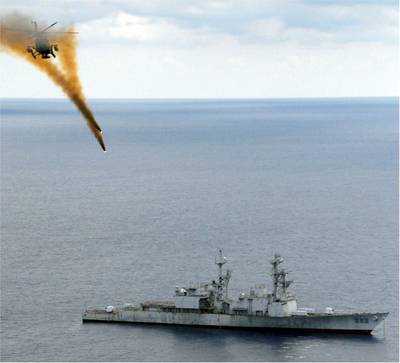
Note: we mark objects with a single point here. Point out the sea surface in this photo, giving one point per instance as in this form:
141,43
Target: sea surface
314,180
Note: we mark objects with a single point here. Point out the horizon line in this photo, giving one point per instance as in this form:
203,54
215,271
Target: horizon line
198,98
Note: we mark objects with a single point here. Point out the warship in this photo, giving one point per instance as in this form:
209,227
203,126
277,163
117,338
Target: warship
209,305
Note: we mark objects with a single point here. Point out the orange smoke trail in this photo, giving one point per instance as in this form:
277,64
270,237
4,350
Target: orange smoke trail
64,74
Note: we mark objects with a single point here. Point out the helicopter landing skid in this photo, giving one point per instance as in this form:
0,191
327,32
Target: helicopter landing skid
32,51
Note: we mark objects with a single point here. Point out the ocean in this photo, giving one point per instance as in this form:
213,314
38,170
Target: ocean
315,180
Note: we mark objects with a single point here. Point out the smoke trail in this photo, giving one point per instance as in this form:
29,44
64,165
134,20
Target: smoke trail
16,35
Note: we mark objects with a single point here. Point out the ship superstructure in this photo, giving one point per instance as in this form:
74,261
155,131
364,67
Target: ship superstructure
209,304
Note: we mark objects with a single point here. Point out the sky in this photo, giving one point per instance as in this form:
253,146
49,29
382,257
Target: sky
218,49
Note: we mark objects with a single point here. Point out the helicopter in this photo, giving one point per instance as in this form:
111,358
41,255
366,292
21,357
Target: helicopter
43,46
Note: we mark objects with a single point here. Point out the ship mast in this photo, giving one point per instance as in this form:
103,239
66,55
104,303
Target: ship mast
223,280
279,279
220,262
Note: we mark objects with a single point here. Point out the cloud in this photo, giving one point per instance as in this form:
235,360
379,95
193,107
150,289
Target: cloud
146,30
323,23
204,20
122,27
213,22
205,48
273,29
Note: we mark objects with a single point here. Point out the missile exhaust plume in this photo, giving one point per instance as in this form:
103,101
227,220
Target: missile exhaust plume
17,33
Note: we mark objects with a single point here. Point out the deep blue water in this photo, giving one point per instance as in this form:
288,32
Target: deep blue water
313,180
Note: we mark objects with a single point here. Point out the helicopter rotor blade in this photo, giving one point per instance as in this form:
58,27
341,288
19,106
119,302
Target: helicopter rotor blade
24,33
62,33
48,27
16,30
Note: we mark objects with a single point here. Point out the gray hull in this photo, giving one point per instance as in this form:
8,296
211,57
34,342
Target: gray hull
360,323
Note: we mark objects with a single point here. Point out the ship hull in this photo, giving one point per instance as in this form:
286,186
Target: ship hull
316,323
